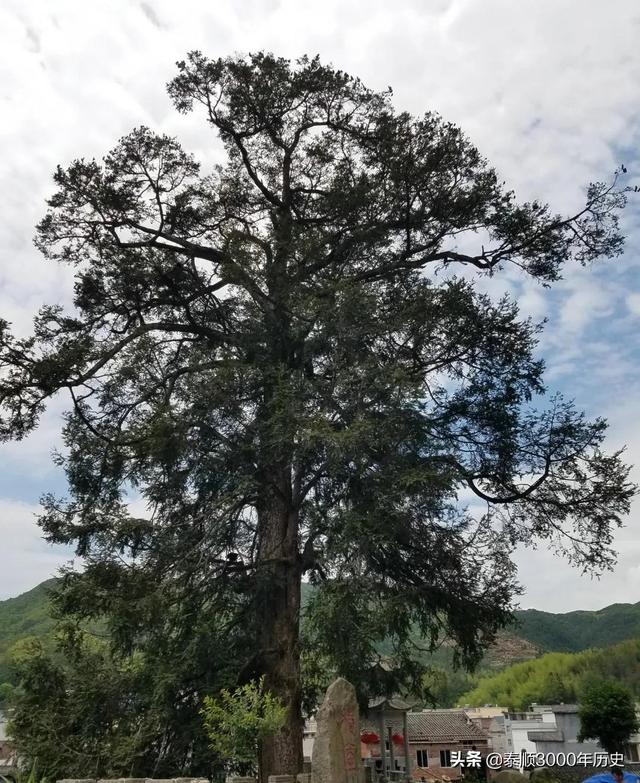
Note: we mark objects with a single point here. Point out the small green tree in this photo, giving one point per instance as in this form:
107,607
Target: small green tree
239,720
607,714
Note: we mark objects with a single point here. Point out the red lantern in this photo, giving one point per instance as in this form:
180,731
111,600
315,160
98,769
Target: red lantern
369,737
398,739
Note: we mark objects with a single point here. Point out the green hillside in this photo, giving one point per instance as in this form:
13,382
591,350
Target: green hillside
24,615
557,677
576,631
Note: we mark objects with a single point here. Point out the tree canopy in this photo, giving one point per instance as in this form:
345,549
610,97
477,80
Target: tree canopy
279,356
607,714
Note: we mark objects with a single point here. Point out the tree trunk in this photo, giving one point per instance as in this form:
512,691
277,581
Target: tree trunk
279,619
279,571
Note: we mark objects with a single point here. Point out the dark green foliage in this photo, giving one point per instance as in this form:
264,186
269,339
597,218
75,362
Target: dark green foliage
70,717
6,691
277,356
443,687
607,714
83,710
574,631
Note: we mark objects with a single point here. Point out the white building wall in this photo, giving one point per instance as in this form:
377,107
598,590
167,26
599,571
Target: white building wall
517,730
308,736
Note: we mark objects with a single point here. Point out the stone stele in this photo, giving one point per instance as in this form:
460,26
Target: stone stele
336,748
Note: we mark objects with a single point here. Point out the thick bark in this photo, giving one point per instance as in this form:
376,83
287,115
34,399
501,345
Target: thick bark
279,617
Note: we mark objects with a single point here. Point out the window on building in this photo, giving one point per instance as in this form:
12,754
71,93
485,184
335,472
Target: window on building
422,759
631,753
445,758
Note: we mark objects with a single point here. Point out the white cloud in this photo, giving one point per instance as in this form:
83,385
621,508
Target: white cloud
555,586
586,302
633,303
33,455
26,558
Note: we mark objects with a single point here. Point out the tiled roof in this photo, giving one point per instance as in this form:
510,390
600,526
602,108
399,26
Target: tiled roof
395,703
564,708
436,726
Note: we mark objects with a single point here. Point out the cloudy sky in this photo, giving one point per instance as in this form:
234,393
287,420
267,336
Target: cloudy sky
548,89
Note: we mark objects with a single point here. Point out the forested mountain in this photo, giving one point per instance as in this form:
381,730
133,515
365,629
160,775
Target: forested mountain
575,631
557,677
535,632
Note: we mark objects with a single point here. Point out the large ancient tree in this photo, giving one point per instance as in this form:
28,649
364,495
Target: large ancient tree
281,358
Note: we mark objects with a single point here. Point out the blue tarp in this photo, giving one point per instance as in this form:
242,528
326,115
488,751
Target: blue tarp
607,777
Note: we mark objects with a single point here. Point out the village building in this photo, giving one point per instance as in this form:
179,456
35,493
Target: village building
492,721
518,726
437,737
421,745
385,738
559,735
398,744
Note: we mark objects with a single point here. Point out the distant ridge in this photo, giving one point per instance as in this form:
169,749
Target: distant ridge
534,633
579,630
